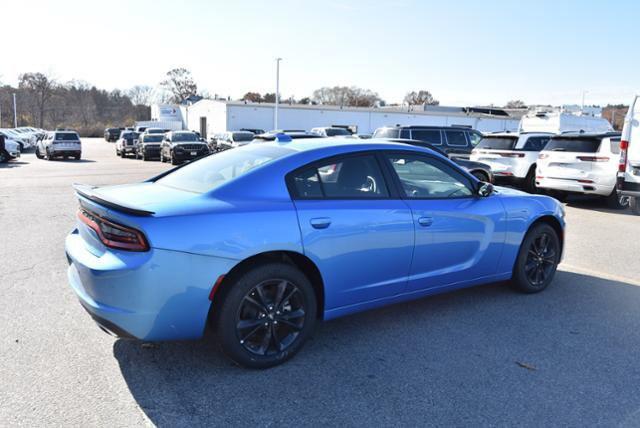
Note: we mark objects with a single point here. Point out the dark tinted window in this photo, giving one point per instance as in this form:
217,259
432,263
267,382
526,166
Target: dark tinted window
67,136
431,136
423,177
456,138
184,137
242,136
584,145
497,143
129,135
387,133
535,144
153,138
354,177
332,132
405,133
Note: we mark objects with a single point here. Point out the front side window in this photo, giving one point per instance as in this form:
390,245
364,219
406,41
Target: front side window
456,138
427,178
354,177
474,138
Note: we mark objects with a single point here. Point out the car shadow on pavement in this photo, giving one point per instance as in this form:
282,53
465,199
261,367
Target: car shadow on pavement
481,356
12,164
594,204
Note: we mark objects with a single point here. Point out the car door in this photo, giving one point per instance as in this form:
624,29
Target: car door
359,236
458,235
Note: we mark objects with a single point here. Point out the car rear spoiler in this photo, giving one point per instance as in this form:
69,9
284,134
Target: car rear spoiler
89,192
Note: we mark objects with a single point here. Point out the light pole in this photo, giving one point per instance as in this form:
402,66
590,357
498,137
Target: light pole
15,112
275,112
583,94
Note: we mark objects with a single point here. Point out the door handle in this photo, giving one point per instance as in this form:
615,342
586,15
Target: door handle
425,221
320,222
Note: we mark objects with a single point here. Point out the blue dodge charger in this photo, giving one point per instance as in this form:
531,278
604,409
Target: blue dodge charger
261,242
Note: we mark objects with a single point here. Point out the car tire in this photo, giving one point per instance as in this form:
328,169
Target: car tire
616,201
38,154
480,175
78,157
48,155
530,181
537,260
4,156
173,160
276,305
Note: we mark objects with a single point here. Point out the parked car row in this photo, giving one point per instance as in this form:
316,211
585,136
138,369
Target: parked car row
17,140
147,144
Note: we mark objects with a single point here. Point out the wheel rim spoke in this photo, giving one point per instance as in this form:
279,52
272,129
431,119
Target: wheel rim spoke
292,315
282,286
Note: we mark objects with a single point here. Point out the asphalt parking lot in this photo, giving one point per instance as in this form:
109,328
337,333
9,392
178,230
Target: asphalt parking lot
482,356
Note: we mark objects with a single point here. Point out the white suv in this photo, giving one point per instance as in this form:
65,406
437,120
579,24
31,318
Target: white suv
9,149
582,163
62,144
629,167
512,157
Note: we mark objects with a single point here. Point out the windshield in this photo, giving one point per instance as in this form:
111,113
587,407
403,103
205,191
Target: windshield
67,136
184,137
497,143
242,136
332,132
153,138
213,171
154,131
129,135
387,133
583,145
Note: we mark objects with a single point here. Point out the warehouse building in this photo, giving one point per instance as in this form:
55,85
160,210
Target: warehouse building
213,116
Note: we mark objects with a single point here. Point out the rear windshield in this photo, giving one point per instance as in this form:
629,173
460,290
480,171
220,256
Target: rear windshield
582,145
67,136
242,136
184,136
387,133
332,132
213,171
153,138
497,143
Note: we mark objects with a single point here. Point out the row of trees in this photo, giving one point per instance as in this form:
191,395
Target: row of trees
46,103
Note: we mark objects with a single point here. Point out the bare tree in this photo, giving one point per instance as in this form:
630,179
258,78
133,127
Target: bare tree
516,104
254,97
180,84
40,87
141,95
346,96
421,97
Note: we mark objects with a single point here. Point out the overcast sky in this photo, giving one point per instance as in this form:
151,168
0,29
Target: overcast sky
464,52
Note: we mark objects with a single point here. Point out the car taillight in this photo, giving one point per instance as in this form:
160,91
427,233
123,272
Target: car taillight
543,156
624,146
593,158
512,155
114,235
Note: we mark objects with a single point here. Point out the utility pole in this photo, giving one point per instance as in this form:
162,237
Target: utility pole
583,94
15,112
275,112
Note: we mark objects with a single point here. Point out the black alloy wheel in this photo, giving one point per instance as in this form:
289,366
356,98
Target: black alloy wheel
270,317
264,316
537,260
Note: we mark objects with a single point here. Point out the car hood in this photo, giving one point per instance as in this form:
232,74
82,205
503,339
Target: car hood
509,191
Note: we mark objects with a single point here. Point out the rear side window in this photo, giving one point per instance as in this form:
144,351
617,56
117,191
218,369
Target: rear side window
387,133
354,177
497,143
535,144
615,146
67,136
582,145
456,138
431,136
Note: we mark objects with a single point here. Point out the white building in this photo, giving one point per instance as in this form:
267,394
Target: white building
212,116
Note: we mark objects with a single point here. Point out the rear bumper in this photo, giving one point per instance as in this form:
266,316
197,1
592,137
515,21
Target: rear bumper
155,295
627,188
574,186
65,152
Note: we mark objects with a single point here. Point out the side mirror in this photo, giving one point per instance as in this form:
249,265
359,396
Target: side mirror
485,189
